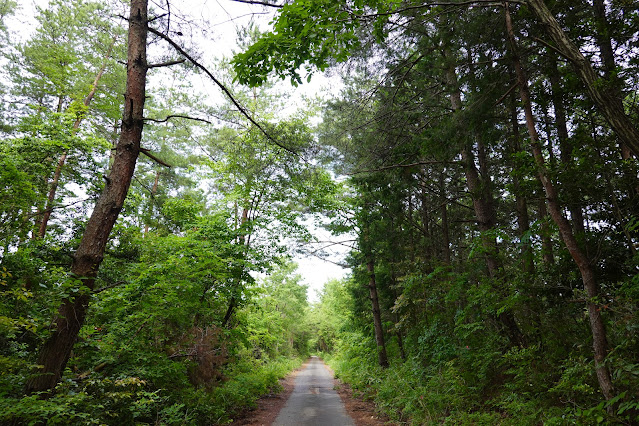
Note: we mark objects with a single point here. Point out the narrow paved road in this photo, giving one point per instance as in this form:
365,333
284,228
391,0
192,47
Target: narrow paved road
314,401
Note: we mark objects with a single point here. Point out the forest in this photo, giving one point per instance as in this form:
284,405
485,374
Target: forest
477,160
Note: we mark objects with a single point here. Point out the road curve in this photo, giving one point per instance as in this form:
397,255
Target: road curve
314,401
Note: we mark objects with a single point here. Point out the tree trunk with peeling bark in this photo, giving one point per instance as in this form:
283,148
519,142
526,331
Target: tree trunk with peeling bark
71,315
600,342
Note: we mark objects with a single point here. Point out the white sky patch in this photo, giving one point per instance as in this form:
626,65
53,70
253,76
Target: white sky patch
316,273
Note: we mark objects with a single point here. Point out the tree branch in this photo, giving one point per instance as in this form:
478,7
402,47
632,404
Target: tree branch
500,100
52,208
484,3
341,265
168,117
151,19
551,47
153,157
167,64
222,87
261,3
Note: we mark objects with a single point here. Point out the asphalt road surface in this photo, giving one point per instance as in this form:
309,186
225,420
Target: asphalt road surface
314,401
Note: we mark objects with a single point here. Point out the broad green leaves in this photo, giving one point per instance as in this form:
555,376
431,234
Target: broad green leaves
311,34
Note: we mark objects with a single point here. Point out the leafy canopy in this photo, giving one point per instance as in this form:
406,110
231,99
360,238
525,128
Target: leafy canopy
311,32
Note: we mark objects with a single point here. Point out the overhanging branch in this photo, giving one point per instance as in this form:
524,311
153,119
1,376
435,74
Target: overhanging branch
222,87
168,117
261,3
483,3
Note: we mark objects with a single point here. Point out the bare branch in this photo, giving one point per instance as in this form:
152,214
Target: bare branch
261,3
332,244
152,19
222,87
167,64
181,355
52,208
341,265
168,117
153,157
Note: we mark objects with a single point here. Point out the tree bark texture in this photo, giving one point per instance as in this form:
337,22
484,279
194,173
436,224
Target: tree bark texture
56,350
480,194
600,343
605,97
547,254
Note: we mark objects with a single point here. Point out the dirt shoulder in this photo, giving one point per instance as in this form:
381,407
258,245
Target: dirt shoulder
269,406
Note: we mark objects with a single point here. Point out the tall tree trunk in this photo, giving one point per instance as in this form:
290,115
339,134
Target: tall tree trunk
600,343
411,218
547,254
484,207
396,318
425,216
521,204
63,158
244,240
56,350
445,227
608,59
565,146
605,97
377,316
477,187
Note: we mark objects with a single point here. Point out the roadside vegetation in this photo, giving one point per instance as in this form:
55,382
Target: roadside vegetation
478,165
196,309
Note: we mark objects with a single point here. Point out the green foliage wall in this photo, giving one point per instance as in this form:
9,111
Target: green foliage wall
180,330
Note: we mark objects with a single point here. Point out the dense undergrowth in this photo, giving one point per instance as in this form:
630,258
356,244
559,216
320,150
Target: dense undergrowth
458,392
118,399
155,349
470,378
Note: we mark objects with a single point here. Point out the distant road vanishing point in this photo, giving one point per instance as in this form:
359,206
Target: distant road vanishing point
314,401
